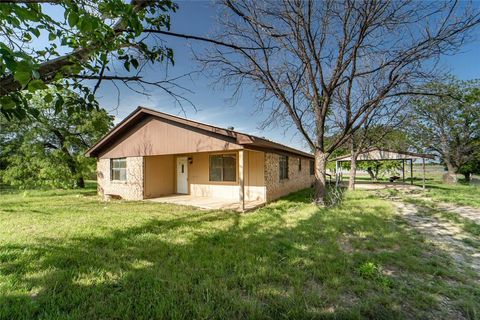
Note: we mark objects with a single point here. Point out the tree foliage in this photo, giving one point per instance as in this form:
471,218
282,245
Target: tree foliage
47,150
448,124
376,169
472,165
82,45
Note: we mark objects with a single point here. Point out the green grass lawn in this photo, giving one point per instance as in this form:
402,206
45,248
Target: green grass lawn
66,254
460,193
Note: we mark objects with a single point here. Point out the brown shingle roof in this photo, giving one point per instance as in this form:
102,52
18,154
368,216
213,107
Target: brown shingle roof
247,140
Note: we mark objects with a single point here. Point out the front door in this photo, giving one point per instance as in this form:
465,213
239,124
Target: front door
182,175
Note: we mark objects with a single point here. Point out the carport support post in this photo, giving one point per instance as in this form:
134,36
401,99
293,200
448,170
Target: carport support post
336,172
423,172
241,178
411,171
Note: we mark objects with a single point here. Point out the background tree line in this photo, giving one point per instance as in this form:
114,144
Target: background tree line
47,150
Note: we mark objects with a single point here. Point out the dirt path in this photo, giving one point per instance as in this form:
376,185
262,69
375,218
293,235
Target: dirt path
467,212
463,211
441,233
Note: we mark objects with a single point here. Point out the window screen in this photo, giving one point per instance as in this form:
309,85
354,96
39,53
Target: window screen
312,167
283,165
118,169
299,164
223,167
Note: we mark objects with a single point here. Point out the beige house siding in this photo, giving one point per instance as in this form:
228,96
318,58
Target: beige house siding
132,189
153,137
255,176
159,176
297,180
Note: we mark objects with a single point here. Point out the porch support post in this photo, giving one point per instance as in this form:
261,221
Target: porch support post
241,178
423,172
411,171
336,171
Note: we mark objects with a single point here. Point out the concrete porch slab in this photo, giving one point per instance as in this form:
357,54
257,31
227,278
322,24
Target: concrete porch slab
207,203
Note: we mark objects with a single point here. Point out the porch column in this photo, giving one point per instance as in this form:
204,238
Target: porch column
336,172
241,178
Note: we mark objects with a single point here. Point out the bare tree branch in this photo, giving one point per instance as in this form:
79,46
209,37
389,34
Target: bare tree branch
354,57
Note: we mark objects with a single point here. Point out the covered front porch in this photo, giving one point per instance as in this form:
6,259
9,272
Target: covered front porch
227,179
209,203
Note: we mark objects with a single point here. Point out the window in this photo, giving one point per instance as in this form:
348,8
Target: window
299,164
118,169
283,164
223,167
312,167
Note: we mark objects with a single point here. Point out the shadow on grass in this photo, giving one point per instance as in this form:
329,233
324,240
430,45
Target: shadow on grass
286,260
89,190
334,196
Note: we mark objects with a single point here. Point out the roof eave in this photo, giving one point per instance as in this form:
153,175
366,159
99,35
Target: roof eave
245,140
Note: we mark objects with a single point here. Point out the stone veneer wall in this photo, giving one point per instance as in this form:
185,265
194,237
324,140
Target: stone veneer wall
297,180
132,189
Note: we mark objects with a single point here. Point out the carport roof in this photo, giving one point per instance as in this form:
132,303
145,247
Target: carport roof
385,154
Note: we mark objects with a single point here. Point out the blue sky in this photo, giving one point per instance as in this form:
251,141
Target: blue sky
213,105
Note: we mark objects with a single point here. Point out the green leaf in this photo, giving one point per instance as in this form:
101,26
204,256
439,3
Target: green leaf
52,36
7,103
36,74
22,77
103,57
48,98
72,19
26,14
35,31
134,63
59,104
33,111
27,37
91,97
86,25
36,85
126,64
22,72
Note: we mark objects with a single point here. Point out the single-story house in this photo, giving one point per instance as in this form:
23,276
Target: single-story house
151,154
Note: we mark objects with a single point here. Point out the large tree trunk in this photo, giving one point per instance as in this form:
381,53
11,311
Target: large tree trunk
70,161
320,180
450,176
80,182
353,171
370,173
377,169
